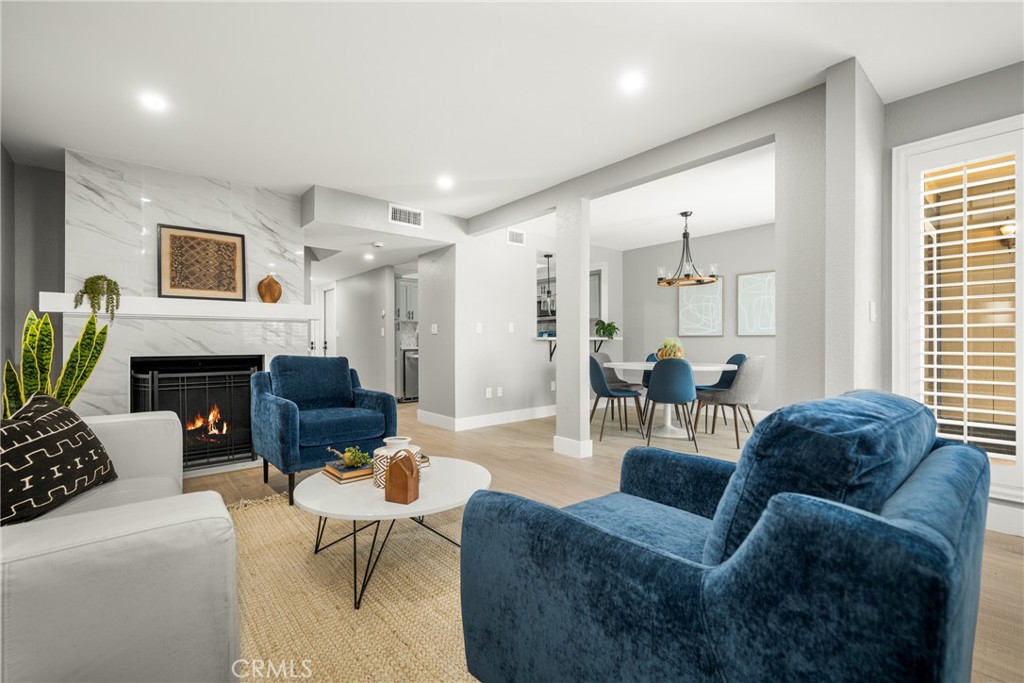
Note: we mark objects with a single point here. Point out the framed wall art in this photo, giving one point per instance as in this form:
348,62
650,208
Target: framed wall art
201,264
755,304
700,310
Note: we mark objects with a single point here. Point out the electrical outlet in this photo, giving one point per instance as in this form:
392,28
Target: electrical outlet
552,385
872,312
511,328
499,392
382,332
487,393
479,328
433,328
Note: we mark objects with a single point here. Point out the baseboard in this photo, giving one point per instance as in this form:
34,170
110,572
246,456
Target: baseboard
1004,516
435,420
574,448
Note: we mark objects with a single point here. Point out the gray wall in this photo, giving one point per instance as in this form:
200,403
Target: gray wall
39,245
797,126
361,301
653,311
437,351
7,315
989,97
853,220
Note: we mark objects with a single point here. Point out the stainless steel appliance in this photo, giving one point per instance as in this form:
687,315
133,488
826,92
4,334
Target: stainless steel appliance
410,374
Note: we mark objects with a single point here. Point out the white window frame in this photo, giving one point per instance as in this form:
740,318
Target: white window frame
1007,475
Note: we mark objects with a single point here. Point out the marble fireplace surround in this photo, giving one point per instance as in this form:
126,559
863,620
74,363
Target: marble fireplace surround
112,212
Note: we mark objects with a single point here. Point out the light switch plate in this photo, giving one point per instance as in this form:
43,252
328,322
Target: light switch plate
499,392
511,327
433,328
479,328
487,393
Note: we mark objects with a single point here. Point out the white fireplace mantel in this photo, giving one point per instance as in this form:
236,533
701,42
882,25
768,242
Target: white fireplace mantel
186,309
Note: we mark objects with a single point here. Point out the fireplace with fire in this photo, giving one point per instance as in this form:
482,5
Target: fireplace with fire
210,395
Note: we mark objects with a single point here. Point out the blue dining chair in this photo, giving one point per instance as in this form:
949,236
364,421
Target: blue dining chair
672,382
599,383
725,381
645,382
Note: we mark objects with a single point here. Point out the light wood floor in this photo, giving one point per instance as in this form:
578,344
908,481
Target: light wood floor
521,461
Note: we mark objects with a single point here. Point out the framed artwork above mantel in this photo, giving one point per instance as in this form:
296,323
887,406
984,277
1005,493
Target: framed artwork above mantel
201,264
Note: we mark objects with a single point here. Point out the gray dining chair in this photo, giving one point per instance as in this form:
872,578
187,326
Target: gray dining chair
744,391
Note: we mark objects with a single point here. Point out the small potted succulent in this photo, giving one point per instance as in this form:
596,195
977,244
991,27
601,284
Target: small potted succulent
670,348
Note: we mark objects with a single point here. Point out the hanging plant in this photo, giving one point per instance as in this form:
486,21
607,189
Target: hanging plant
100,290
33,372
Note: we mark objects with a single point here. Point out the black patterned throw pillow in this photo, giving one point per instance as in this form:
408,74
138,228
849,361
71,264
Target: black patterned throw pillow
48,455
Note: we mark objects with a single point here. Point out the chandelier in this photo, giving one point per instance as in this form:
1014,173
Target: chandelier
686,274
547,303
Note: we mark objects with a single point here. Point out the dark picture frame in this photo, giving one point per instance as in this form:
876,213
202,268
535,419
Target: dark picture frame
200,264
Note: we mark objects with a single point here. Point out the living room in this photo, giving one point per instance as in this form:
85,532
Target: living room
327,155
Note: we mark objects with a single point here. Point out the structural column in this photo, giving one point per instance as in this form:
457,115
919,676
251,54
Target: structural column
572,378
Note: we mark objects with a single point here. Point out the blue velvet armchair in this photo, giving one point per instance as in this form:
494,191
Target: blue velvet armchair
307,403
844,546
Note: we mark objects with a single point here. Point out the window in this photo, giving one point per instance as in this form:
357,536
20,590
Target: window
968,295
956,285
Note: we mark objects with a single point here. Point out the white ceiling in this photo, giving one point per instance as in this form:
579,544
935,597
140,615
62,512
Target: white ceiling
507,98
728,194
353,244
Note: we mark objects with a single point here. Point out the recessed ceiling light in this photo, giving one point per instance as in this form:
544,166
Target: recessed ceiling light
299,252
146,200
445,182
153,101
270,265
368,257
632,82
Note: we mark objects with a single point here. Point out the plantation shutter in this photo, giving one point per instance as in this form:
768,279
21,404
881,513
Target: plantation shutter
968,294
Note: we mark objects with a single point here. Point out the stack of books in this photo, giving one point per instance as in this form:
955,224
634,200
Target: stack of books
344,475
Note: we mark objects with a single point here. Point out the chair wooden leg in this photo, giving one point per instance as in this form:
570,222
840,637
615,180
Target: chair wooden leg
650,421
607,403
692,426
714,418
696,415
639,413
751,416
625,413
644,413
291,489
266,471
725,420
613,410
735,423
594,409
744,419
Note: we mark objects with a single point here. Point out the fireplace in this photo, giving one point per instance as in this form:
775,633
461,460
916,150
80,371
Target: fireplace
210,395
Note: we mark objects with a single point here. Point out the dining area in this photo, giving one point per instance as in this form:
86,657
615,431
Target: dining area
674,393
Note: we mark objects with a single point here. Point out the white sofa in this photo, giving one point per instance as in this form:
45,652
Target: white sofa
131,581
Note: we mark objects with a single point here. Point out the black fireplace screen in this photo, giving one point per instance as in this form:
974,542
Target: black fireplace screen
210,395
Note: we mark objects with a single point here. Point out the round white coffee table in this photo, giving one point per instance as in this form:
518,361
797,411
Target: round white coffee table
446,484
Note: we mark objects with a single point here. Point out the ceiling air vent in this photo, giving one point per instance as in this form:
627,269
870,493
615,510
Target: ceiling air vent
516,237
403,215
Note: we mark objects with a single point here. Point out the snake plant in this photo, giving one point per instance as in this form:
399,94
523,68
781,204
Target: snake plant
33,374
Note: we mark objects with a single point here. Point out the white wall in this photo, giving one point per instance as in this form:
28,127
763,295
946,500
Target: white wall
652,313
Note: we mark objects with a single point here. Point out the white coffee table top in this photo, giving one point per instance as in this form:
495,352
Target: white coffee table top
447,483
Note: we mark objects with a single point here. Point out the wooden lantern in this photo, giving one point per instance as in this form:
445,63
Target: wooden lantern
403,479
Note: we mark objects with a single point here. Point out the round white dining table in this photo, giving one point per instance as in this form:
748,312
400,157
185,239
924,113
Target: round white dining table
668,430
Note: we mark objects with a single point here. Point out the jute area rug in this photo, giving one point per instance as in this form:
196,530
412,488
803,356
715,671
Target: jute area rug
296,607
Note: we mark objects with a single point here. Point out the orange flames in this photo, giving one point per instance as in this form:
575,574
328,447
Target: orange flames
213,422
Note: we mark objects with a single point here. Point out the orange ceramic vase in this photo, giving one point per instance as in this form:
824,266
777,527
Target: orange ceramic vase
269,290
